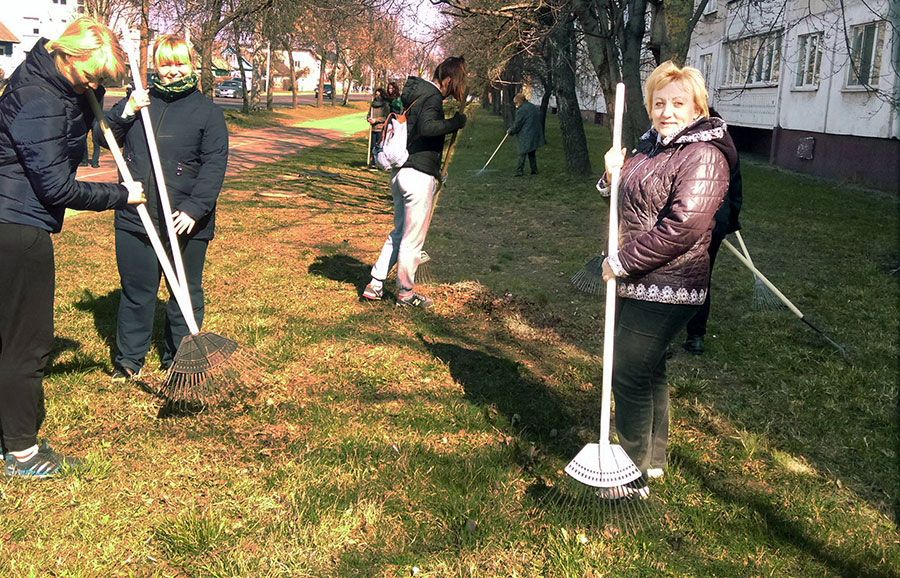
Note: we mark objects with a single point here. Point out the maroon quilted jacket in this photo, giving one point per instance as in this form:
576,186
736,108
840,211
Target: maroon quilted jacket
668,195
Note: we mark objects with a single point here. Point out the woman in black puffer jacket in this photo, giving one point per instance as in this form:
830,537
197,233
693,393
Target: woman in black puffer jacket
669,193
44,117
193,146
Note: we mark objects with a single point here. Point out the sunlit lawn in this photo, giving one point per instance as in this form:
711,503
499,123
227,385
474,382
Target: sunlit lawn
389,440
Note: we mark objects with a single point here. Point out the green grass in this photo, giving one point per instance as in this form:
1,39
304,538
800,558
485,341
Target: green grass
389,439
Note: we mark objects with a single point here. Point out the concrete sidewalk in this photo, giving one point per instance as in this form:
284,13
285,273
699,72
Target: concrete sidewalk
254,147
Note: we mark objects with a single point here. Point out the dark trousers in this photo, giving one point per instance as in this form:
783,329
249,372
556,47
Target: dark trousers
696,327
96,136
26,331
643,332
532,160
376,141
140,272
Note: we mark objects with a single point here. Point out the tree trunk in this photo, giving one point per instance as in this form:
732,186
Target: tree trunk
601,48
636,121
287,50
321,79
269,83
145,40
245,96
574,142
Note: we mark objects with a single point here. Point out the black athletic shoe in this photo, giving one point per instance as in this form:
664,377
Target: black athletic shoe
694,345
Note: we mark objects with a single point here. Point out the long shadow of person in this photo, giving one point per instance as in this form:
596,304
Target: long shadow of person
105,310
492,381
78,362
341,268
783,524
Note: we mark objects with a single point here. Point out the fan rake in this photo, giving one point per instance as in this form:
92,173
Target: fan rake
602,487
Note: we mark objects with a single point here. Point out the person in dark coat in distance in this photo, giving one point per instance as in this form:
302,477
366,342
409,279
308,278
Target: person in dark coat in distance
414,184
93,159
668,195
44,118
379,110
193,152
529,133
726,223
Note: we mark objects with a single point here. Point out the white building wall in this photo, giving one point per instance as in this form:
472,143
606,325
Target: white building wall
30,20
830,106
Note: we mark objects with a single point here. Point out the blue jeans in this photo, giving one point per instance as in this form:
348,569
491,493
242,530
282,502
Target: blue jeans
644,330
140,272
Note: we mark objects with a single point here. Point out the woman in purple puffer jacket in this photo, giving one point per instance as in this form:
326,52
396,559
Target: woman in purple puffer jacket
668,195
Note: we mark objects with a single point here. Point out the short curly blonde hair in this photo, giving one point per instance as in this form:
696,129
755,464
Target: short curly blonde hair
689,78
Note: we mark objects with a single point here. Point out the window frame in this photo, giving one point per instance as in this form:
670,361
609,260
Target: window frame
753,61
808,74
854,78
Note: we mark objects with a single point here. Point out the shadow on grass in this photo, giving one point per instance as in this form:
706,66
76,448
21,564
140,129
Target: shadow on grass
783,525
496,382
341,268
78,362
105,310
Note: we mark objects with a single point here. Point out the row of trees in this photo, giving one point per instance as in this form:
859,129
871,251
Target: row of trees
357,41
539,39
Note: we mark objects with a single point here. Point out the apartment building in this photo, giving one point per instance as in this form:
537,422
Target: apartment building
812,84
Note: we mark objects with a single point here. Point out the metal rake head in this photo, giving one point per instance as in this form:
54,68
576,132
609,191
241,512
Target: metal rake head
764,299
208,368
590,278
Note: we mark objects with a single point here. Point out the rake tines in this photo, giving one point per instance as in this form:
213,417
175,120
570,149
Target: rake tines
764,299
208,368
590,278
621,510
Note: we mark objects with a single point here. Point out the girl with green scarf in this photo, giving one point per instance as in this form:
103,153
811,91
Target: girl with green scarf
193,147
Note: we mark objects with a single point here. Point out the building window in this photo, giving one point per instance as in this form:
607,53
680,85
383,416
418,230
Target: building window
711,7
753,60
706,68
809,59
5,49
865,54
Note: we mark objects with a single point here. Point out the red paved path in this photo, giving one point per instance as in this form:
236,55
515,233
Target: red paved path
246,150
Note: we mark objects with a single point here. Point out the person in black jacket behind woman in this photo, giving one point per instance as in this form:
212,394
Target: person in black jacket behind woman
414,184
726,222
669,193
44,118
193,146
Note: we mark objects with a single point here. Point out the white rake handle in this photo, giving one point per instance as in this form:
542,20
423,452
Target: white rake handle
181,297
160,177
762,278
609,322
495,151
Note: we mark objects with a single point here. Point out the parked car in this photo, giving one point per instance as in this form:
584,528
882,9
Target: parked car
327,91
229,89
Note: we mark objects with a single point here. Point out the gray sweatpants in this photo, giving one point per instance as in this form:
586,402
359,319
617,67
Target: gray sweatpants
413,192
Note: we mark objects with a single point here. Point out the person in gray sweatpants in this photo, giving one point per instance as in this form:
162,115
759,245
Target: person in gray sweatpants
414,184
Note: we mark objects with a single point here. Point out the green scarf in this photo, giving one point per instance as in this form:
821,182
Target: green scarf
186,84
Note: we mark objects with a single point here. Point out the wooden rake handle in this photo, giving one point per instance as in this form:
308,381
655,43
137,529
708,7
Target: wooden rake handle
179,291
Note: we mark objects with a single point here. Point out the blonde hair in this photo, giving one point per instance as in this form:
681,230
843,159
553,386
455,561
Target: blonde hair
171,49
690,79
92,44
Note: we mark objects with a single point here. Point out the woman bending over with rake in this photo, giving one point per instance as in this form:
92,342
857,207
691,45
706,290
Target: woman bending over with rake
669,192
194,153
44,118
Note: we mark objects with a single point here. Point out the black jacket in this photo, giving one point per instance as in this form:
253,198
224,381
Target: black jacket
426,125
43,124
193,147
